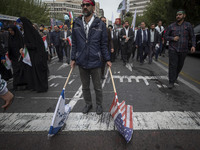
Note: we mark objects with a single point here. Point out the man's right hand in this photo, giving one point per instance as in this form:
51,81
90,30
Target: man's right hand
136,46
51,44
176,38
73,63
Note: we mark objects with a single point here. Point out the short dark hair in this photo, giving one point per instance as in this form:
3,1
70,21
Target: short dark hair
103,17
42,25
126,21
142,22
153,24
110,26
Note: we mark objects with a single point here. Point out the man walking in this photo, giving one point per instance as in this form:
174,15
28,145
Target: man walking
65,42
89,45
142,42
160,30
154,41
178,34
127,36
55,41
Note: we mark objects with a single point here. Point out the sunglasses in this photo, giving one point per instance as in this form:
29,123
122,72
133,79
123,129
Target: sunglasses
86,4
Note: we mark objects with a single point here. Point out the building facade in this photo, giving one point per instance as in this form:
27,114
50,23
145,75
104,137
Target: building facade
59,8
140,5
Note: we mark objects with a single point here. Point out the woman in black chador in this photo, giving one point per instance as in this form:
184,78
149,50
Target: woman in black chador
15,43
35,45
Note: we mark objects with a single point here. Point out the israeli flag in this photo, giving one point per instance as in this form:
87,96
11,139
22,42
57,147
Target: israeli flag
60,115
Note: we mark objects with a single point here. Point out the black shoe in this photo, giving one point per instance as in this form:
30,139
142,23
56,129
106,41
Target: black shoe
99,109
87,108
177,82
171,86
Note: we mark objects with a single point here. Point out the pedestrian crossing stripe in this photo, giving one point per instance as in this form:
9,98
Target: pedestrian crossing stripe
40,122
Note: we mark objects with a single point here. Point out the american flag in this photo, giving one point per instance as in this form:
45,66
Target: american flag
123,118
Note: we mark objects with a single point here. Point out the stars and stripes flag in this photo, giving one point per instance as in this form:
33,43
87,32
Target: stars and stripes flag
60,115
8,63
123,118
26,57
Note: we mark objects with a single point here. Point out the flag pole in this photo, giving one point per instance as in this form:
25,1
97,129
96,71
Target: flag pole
113,83
68,78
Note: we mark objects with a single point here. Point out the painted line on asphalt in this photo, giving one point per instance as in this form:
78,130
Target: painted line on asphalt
180,79
64,65
40,122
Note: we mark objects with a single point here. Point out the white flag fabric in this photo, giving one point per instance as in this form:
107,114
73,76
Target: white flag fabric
8,63
60,115
122,6
113,19
26,57
134,20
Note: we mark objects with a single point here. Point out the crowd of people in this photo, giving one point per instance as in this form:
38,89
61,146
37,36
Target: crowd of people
93,47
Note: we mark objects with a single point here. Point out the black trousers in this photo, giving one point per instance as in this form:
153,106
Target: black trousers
143,51
59,52
176,62
125,53
67,49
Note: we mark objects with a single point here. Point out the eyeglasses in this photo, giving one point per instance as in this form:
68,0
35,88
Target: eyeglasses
86,4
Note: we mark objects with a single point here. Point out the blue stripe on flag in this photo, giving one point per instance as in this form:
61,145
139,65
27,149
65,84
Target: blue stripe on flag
53,131
63,94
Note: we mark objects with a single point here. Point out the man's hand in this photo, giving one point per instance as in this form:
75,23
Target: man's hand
109,63
21,51
51,44
193,49
127,38
73,63
112,50
136,46
124,36
3,61
176,38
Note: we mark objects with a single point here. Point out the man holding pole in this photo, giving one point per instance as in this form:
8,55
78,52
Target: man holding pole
89,45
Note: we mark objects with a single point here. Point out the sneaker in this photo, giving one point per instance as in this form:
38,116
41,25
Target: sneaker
87,108
171,86
99,109
177,82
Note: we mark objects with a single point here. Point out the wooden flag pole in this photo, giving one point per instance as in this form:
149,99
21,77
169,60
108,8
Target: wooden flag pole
113,83
68,78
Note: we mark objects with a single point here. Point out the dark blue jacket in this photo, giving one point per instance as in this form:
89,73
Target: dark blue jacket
139,38
88,53
55,38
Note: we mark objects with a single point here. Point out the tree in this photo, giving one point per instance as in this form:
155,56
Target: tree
34,10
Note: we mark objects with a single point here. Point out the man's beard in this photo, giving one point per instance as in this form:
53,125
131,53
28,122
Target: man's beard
179,20
87,13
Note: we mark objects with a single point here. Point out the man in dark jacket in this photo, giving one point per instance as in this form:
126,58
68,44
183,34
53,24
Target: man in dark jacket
65,42
55,41
127,36
89,45
142,42
154,42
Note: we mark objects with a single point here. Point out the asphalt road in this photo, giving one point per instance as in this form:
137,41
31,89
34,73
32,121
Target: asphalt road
163,118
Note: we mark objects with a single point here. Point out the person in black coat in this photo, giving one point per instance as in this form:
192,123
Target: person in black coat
38,56
142,42
15,45
154,40
65,44
127,36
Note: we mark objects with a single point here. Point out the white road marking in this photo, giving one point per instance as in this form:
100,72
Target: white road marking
38,122
180,79
138,78
52,84
56,85
129,67
70,82
44,98
64,65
